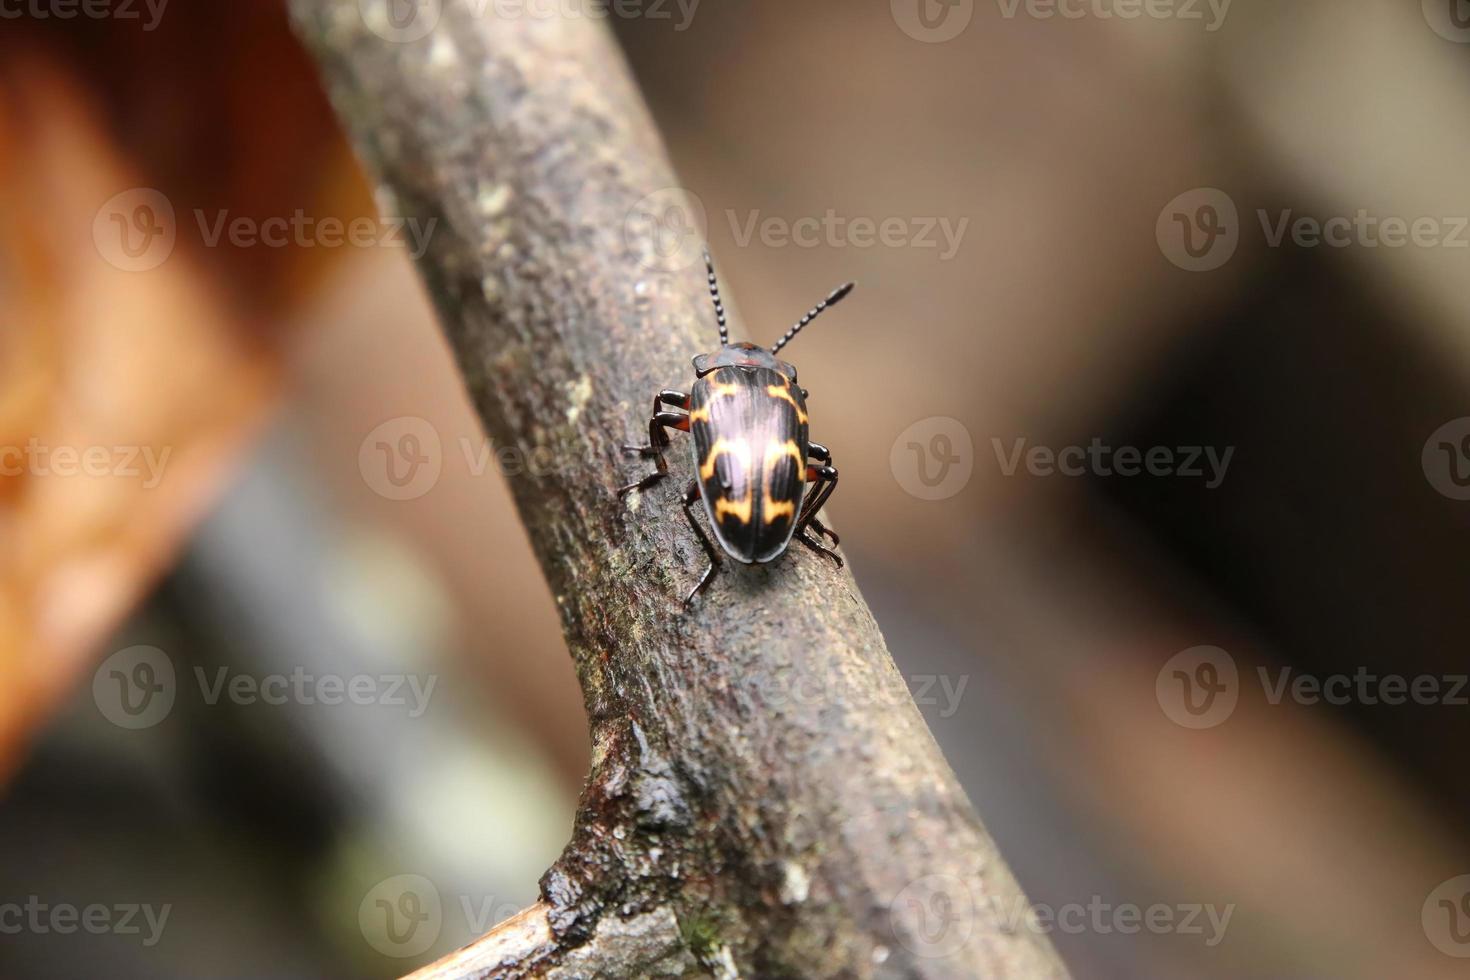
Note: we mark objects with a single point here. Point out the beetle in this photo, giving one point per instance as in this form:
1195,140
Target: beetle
752,456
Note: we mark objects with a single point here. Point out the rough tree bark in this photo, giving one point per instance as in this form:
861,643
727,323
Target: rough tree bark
765,800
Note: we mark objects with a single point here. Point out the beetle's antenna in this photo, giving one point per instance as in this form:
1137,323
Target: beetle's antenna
714,294
832,300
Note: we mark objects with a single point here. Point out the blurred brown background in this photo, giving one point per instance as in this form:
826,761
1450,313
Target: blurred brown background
1231,233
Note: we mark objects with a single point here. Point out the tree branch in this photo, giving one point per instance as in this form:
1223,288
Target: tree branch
520,942
765,800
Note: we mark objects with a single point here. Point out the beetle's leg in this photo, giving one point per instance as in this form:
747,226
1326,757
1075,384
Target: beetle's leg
658,437
690,496
656,432
824,482
822,454
815,524
816,545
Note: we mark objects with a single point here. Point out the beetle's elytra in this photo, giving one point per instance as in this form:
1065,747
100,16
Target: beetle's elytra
752,456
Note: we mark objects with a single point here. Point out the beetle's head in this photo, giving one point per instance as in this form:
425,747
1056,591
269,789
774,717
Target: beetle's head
744,355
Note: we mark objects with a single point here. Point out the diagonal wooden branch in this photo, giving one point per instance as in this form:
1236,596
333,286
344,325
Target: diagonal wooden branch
765,800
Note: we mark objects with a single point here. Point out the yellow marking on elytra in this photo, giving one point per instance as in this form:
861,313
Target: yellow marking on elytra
717,389
773,509
775,452
735,447
784,393
739,509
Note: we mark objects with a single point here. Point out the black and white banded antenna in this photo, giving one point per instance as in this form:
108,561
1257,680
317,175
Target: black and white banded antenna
832,300
714,294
